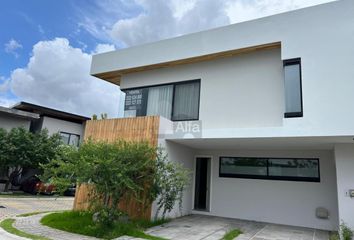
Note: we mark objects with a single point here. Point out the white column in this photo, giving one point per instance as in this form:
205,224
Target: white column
344,157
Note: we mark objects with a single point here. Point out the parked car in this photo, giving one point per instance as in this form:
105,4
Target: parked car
34,185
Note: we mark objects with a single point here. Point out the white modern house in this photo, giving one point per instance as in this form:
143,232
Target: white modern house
70,126
260,111
12,118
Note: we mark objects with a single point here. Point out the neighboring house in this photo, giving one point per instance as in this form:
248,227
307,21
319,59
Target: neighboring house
12,118
70,126
259,111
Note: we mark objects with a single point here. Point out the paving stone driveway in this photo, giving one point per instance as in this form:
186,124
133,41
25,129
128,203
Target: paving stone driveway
15,206
197,227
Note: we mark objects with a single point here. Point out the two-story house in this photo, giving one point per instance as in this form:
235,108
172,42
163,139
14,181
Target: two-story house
259,111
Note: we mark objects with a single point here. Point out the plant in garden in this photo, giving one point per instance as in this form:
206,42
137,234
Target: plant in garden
117,170
21,149
170,180
114,169
346,232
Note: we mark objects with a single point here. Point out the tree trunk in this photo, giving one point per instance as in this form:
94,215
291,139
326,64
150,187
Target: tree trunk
7,184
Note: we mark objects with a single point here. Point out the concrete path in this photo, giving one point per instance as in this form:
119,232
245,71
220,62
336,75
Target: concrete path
193,227
33,226
15,206
7,236
197,227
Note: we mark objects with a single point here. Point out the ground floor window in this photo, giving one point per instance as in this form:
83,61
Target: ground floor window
292,169
70,138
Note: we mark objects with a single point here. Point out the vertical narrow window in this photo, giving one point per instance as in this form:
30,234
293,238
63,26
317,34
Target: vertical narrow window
186,101
160,101
293,91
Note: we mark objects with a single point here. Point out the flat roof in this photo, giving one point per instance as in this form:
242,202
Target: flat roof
18,113
50,112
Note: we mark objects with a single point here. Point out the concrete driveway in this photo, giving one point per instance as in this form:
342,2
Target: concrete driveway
10,207
15,206
197,227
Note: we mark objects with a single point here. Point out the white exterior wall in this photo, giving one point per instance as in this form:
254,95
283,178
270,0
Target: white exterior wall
182,155
56,125
322,36
275,201
237,92
8,122
344,156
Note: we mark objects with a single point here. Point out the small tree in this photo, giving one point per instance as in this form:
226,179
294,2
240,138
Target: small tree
22,149
116,170
170,180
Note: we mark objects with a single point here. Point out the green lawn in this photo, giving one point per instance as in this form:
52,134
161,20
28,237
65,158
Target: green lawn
230,235
81,223
7,226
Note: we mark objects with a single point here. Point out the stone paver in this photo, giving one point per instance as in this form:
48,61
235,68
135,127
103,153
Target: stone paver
200,227
33,226
15,206
193,227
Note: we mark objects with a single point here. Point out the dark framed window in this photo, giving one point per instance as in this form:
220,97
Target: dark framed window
176,101
70,138
293,88
291,169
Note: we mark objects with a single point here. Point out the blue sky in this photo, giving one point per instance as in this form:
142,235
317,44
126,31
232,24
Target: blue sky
46,46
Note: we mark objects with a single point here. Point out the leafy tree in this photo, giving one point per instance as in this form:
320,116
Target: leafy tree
116,170
170,180
22,149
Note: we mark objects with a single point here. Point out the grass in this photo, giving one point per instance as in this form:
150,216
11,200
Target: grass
7,226
81,223
230,235
32,213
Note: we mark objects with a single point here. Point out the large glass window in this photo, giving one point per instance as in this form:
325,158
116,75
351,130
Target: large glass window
294,169
177,101
293,92
70,138
159,101
186,101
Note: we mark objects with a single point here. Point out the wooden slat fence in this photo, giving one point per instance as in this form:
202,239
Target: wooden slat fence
131,129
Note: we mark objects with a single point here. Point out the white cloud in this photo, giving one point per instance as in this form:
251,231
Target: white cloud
57,75
101,48
239,11
161,19
12,46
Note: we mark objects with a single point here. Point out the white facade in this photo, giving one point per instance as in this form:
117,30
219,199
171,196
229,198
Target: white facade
242,107
54,125
9,122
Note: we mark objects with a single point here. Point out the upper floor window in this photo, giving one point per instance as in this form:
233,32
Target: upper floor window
177,101
70,138
293,91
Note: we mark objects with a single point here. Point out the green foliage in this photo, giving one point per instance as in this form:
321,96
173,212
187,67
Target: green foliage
7,226
230,235
346,232
170,180
118,169
334,236
81,223
20,149
103,116
115,169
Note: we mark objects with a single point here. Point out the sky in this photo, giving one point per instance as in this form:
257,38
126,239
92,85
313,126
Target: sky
46,45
